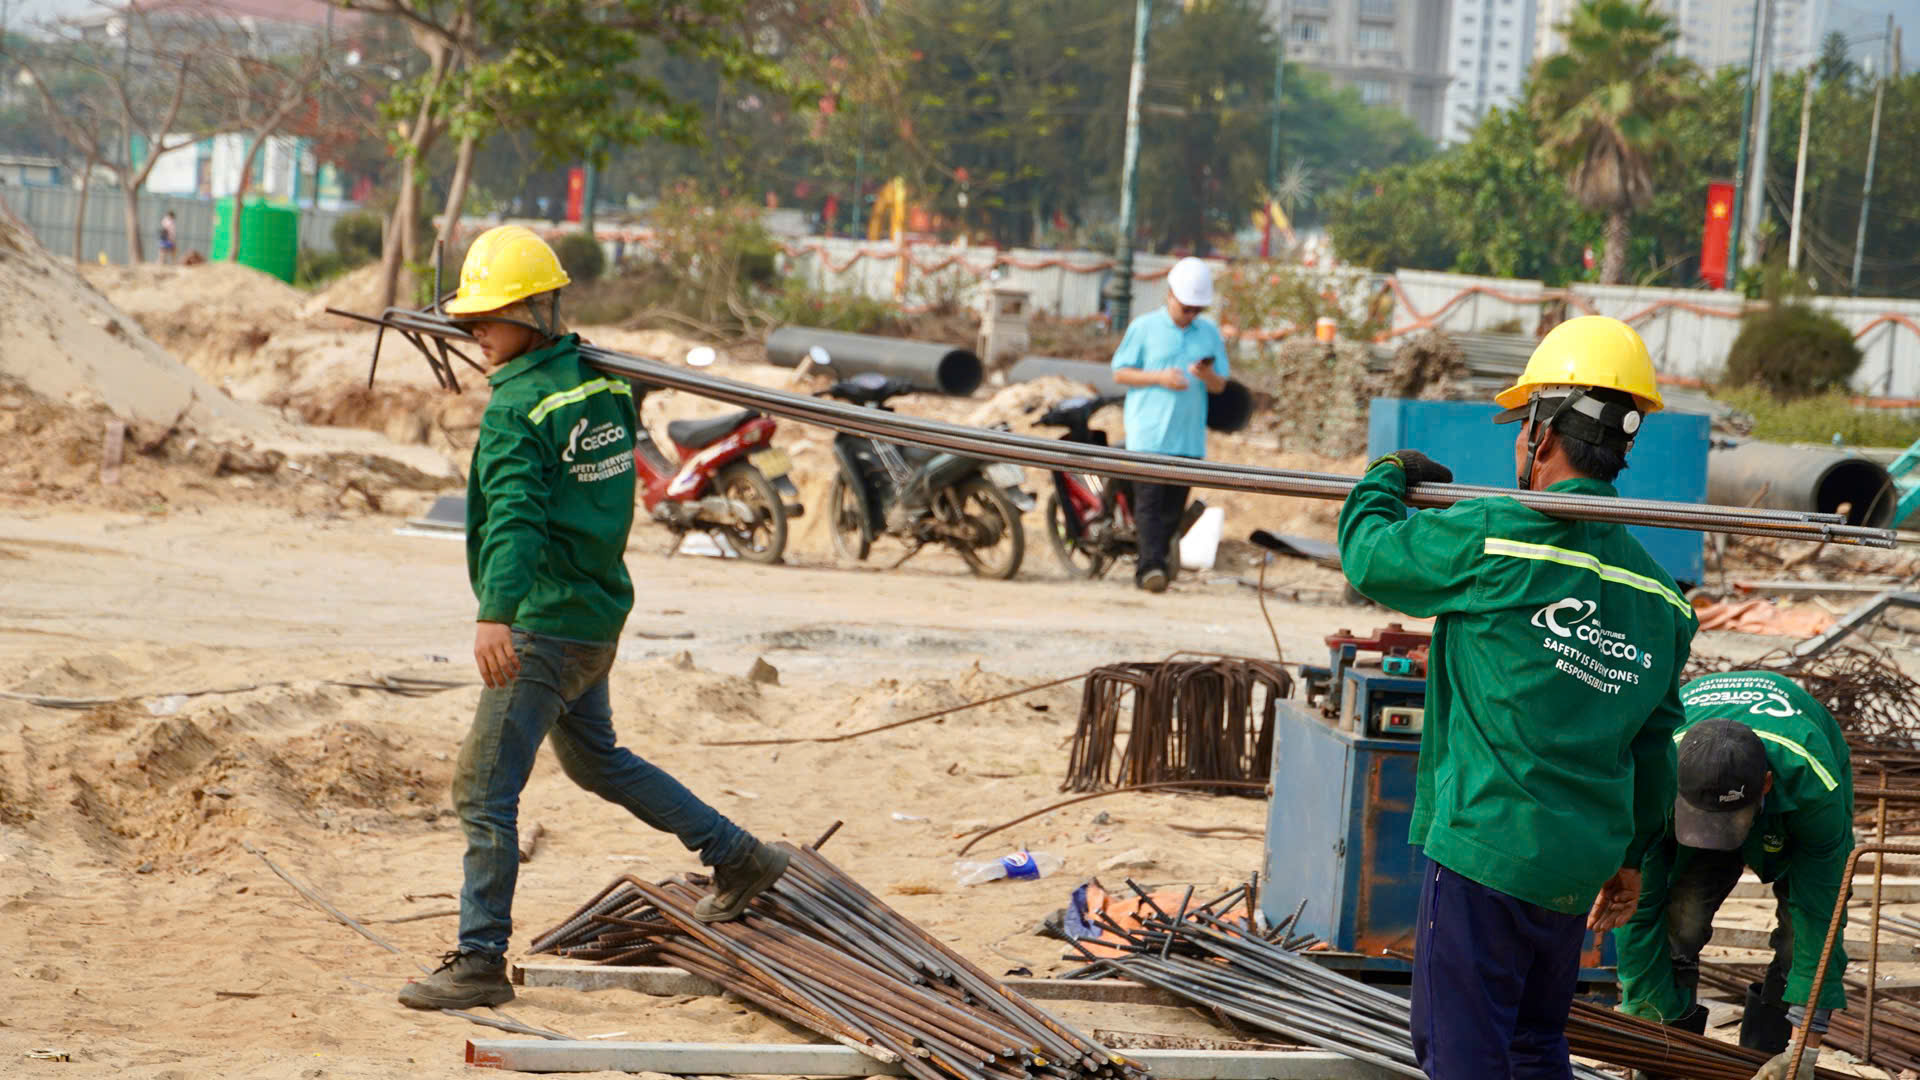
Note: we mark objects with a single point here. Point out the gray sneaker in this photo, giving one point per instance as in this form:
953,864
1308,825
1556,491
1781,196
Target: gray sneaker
463,981
738,881
1154,581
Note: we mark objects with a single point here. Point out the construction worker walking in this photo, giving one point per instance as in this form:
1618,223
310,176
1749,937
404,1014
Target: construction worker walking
549,504
1765,781
1546,765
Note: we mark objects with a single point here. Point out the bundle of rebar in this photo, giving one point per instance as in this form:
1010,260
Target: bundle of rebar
1185,720
1219,962
1896,1021
824,953
1054,454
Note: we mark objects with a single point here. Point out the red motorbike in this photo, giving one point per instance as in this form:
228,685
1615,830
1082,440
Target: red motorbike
1090,518
727,480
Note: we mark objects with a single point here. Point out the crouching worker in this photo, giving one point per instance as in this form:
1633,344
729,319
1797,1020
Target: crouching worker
1765,781
550,498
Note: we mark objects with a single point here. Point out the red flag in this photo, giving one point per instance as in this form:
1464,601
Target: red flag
576,191
1713,246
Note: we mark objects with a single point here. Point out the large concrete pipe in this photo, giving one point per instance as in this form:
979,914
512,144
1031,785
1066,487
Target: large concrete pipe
940,369
1227,411
1794,478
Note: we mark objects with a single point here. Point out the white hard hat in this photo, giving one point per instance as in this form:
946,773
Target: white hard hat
1191,282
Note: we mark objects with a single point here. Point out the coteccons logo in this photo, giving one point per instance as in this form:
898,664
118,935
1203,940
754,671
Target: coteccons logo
1573,618
607,434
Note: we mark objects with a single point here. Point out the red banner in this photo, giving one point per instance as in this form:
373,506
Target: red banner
577,192
1713,247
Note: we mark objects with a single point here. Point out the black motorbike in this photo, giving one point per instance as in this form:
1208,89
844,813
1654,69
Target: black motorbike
922,496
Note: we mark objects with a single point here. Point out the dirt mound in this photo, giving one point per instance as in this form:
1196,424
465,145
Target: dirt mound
356,291
1426,368
67,342
1020,405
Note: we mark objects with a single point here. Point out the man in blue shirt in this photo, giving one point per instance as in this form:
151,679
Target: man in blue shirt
1169,362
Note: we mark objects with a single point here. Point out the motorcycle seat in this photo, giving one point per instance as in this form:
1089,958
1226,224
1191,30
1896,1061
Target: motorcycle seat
694,434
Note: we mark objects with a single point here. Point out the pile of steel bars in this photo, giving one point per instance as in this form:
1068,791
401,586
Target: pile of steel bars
1051,454
1217,962
1186,720
821,951
1896,1021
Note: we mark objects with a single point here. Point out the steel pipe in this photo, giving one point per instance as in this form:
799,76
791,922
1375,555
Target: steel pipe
1795,478
940,369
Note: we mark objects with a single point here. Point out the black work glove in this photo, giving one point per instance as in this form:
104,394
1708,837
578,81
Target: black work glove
1420,468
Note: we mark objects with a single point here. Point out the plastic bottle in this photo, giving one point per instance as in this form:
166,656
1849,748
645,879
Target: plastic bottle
1020,864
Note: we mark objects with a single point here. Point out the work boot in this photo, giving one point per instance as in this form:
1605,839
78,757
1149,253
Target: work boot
462,981
737,881
1154,581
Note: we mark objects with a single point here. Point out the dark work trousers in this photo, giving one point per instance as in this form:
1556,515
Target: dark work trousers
1696,888
1493,978
1157,509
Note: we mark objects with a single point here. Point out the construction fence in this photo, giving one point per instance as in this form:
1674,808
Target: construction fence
50,212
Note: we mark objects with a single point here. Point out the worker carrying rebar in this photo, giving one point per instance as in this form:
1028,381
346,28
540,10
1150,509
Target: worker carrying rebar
1765,781
1546,762
550,499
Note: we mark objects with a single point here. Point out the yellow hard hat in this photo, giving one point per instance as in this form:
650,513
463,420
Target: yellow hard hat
506,264
1592,350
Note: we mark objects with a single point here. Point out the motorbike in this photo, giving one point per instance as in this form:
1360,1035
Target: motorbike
1090,518
922,496
725,479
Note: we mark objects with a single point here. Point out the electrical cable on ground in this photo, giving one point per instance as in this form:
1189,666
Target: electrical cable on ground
1243,785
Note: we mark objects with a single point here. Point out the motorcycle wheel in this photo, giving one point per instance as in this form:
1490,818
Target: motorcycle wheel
1077,557
765,540
849,539
980,500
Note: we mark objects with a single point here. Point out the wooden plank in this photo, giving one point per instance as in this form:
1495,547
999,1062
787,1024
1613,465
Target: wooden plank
748,1059
1892,949
672,981
1900,890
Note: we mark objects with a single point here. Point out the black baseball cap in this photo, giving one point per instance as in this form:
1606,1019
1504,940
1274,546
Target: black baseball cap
1723,771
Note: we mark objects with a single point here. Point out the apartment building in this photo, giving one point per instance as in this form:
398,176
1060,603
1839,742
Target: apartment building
1490,46
1392,52
1715,33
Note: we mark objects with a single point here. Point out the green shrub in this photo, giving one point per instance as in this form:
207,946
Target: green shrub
1793,351
357,238
581,256
318,267
1819,419
798,305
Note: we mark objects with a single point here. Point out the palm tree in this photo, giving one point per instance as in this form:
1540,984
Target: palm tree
1600,107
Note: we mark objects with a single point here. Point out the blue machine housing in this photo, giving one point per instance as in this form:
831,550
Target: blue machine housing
1668,461
1337,833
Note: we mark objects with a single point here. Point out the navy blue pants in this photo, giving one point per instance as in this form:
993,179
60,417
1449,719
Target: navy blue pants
1493,978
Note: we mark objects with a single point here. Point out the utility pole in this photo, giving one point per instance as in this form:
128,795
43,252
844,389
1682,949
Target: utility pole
1120,289
1873,147
1800,172
1740,156
1756,206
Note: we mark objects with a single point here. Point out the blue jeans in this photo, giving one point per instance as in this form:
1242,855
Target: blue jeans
560,693
1493,980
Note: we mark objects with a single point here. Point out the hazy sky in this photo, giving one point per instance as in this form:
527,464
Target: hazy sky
1852,17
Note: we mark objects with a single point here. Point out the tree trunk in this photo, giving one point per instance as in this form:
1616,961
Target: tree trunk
457,193
1613,265
80,216
136,252
240,195
401,243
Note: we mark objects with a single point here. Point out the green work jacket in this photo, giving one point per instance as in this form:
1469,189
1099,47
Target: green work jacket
1546,763
550,497
1803,836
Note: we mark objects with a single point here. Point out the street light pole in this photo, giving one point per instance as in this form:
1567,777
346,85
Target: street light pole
1120,289
1740,156
1873,147
1762,121
1800,172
